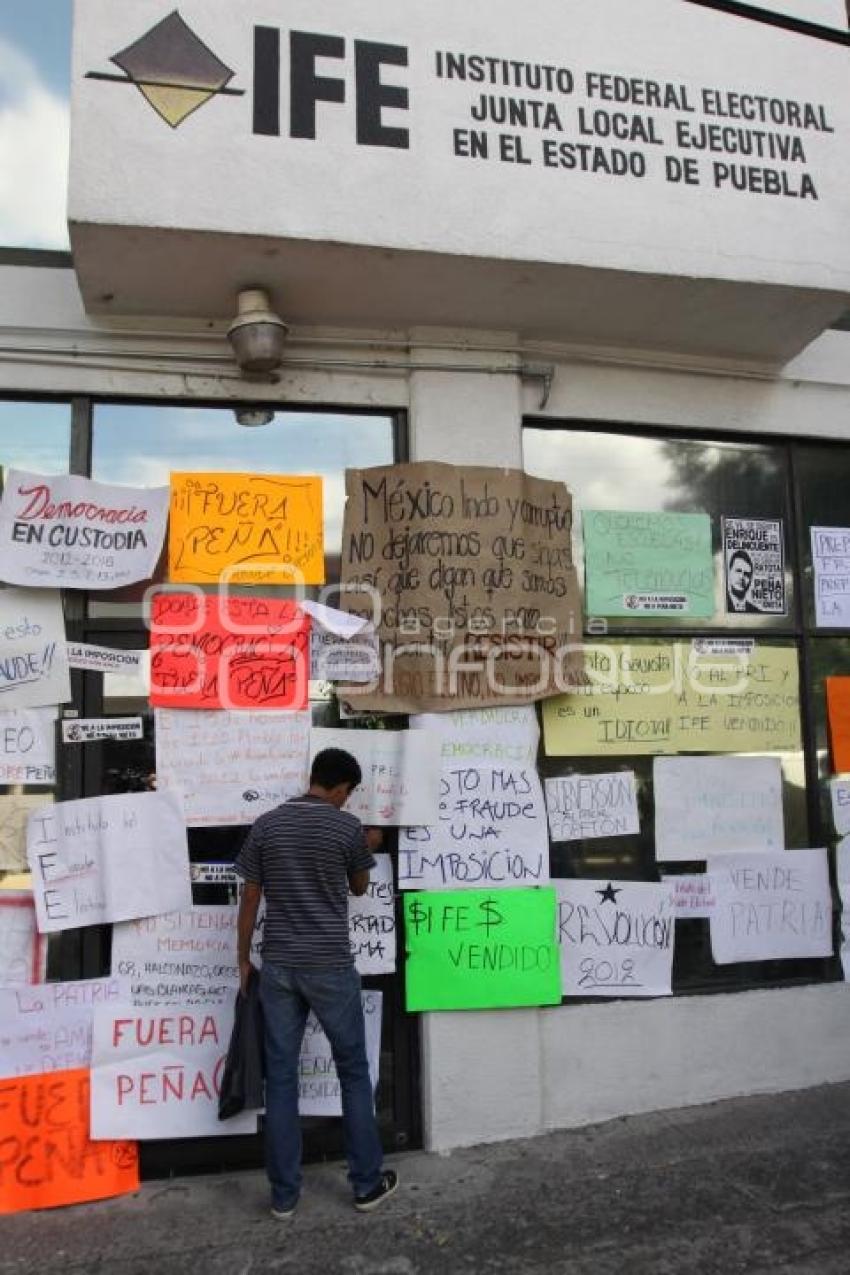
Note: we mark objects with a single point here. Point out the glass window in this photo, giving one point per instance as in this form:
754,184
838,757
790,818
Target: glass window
35,436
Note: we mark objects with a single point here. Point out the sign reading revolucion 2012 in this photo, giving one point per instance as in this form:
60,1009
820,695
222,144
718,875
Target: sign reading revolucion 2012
559,110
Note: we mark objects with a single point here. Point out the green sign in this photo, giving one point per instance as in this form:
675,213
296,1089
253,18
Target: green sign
647,563
481,949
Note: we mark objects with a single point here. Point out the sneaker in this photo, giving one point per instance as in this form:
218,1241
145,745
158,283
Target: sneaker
280,1215
387,1186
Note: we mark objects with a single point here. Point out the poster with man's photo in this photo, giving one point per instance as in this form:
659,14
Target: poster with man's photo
754,566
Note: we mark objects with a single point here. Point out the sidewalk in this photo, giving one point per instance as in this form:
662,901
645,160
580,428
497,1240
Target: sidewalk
759,1185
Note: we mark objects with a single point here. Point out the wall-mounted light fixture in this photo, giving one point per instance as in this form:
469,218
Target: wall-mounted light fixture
252,417
257,334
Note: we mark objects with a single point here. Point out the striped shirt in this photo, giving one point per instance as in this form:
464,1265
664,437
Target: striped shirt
302,854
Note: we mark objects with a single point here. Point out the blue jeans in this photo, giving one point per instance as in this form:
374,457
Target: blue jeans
334,996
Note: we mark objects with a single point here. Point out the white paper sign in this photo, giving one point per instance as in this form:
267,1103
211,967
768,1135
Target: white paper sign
108,859
371,921
616,937
491,829
88,730
14,813
75,533
401,773
103,659
49,1027
581,807
156,1073
839,790
715,805
28,746
336,659
693,894
231,766
770,907
318,1083
213,873
842,872
33,662
23,951
831,562
178,958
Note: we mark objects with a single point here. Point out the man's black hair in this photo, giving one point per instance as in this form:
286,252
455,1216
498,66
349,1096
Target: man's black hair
741,553
334,766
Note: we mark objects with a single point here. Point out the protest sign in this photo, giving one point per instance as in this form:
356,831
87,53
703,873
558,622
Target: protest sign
336,659
108,859
228,652
14,813
186,957
318,1082
89,730
842,874
213,873
23,951
838,717
48,1027
71,532
230,767
831,564
669,697
156,1073
102,659
754,566
582,807
401,773
770,907
251,528
616,938
711,805
371,921
647,563
33,663
28,746
481,949
839,791
693,895
473,573
49,1158
492,824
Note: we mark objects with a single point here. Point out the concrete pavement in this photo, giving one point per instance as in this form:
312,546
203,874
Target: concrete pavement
760,1185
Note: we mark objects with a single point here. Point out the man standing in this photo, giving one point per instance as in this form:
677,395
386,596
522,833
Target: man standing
304,856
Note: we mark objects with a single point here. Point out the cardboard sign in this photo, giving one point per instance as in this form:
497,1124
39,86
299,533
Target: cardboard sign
14,813
178,958
668,697
491,829
481,949
401,773
228,652
90,730
48,1027
156,1073
473,569
831,564
28,747
249,528
102,659
838,716
754,566
318,1082
49,1158
33,663
371,921
711,805
616,938
647,563
108,859
230,767
693,895
771,907
74,533
582,807
23,951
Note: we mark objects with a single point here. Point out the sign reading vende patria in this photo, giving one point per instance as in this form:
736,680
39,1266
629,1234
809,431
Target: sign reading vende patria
667,137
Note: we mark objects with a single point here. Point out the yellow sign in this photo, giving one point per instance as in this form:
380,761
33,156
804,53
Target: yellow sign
246,528
711,696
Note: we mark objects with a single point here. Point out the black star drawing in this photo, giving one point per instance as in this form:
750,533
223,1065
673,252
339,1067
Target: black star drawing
609,894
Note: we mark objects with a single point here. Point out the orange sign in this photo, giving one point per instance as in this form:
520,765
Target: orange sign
228,652
46,1155
249,528
838,712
